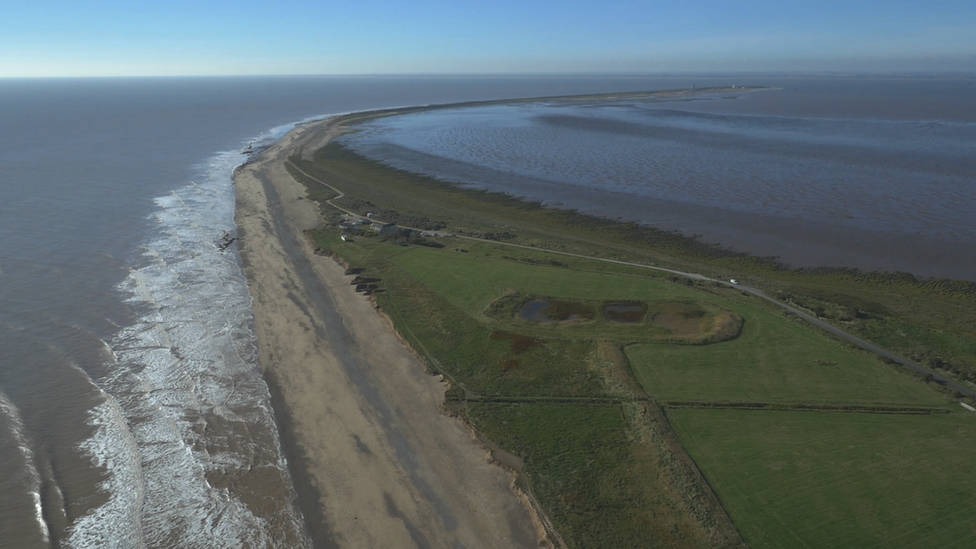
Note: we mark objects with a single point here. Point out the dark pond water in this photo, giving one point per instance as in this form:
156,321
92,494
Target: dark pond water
624,313
545,311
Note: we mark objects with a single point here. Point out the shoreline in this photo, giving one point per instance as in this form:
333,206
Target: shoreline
792,241
374,460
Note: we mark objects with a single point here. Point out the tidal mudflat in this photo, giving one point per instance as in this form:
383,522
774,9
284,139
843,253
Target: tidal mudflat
874,193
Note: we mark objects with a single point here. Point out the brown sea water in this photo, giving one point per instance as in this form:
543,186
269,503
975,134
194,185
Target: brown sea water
867,173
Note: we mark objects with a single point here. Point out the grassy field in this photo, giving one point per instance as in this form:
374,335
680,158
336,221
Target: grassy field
578,402
834,480
602,470
598,477
774,360
602,483
930,321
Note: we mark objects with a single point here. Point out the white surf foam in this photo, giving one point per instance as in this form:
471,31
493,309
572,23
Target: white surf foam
115,524
188,403
33,477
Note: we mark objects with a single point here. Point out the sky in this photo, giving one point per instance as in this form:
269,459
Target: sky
61,38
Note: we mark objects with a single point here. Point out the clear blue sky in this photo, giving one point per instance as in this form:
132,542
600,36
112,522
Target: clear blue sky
181,37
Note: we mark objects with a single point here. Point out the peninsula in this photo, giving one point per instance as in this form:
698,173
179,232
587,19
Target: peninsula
517,376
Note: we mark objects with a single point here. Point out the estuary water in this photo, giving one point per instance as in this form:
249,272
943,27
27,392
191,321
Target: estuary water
874,174
133,412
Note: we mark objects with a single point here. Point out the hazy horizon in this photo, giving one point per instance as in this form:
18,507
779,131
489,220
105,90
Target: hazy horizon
108,38
882,74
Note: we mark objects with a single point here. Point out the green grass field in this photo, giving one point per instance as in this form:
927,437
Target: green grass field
581,458
930,321
774,360
602,485
473,282
602,475
568,399
835,480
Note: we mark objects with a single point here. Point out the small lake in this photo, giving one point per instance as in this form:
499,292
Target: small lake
624,313
548,311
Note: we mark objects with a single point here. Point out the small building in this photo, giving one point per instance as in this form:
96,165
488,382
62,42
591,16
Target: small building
349,227
384,228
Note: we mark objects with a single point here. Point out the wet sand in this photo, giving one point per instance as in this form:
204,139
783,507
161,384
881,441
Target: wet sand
375,461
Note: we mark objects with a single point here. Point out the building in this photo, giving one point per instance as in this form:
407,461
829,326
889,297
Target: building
347,226
384,228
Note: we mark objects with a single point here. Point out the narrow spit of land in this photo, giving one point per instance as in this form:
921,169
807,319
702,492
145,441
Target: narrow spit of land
613,426
375,461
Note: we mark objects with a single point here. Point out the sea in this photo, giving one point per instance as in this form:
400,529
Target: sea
133,409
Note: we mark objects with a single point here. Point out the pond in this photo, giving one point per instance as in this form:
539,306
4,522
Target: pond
551,311
624,313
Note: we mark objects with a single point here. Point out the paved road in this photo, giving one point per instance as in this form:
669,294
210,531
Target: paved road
695,276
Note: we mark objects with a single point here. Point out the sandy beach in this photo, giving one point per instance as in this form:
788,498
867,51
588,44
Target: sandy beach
375,461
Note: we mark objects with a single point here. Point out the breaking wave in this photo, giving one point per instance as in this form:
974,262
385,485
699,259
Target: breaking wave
186,432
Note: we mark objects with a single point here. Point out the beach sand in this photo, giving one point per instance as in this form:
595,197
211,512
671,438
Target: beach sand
375,461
